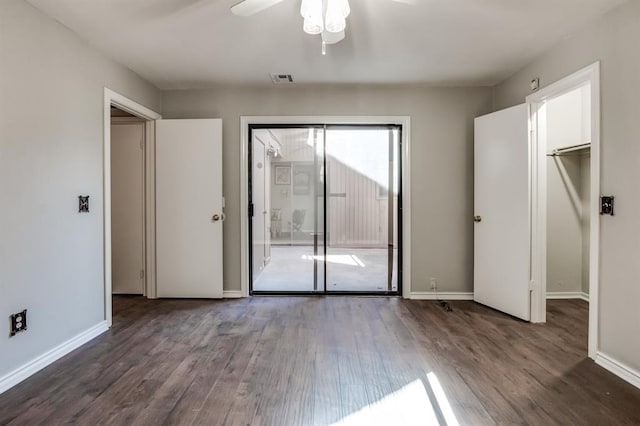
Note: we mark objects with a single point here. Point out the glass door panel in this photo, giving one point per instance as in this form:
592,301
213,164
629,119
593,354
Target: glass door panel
293,209
362,201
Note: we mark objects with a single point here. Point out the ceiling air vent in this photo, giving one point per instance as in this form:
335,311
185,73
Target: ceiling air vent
281,78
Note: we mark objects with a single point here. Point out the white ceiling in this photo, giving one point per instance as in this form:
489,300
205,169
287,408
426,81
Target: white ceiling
198,43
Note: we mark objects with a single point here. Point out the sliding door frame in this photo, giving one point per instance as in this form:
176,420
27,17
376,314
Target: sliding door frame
404,218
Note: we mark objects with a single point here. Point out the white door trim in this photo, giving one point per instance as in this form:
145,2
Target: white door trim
404,121
130,106
589,74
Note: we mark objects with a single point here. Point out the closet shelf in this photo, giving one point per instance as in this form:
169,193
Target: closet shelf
569,149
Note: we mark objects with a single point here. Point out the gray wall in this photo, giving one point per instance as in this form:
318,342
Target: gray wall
442,161
614,41
51,86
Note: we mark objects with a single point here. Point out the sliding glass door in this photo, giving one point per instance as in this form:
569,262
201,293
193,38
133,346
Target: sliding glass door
308,179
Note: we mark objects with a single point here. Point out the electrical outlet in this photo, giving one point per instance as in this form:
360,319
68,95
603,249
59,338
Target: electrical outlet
18,323
434,284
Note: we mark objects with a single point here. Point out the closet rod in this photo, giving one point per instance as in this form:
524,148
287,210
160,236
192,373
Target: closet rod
561,151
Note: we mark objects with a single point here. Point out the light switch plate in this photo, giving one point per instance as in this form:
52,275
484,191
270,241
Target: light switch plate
606,205
83,204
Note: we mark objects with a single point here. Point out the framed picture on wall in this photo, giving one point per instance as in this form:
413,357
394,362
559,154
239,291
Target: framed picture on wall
282,175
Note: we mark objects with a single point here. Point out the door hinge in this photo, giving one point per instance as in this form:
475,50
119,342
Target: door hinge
141,273
251,210
532,285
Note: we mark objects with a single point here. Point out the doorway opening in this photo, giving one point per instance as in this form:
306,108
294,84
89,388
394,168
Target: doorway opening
568,193
568,181
129,202
565,213
325,205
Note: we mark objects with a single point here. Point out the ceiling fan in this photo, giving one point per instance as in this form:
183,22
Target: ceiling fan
325,17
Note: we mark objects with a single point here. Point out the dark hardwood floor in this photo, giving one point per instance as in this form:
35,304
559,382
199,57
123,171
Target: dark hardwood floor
320,360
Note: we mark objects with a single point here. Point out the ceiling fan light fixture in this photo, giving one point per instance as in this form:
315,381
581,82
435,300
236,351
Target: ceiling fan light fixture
305,8
335,25
326,17
311,11
313,25
332,38
344,6
337,11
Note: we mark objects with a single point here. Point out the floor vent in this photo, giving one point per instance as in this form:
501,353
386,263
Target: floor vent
281,78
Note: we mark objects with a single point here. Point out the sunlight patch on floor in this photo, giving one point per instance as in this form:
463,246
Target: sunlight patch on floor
408,406
343,259
443,402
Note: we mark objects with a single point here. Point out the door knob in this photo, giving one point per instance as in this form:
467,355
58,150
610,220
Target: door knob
216,217
477,219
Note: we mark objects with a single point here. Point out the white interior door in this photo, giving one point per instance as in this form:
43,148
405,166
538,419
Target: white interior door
501,201
127,207
189,208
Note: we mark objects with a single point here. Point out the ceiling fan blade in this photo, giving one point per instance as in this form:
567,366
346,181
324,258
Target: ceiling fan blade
251,7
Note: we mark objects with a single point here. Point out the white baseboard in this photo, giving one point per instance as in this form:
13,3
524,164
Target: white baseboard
619,369
430,295
568,295
32,367
231,294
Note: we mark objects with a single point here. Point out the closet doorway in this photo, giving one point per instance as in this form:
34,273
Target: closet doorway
324,204
565,143
568,128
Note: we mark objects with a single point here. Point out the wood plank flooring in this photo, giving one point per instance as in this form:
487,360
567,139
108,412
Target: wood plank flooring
324,360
